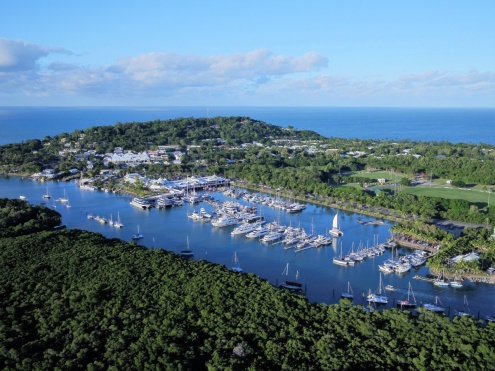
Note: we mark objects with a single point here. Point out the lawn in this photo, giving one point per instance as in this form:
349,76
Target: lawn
475,196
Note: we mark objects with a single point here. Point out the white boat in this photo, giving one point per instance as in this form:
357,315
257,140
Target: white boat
118,223
272,236
191,199
47,194
244,228
140,203
110,221
465,311
434,307
386,268
138,235
64,199
402,267
377,297
100,219
187,253
224,221
341,260
440,282
347,294
258,232
22,197
236,266
456,283
291,240
335,231
410,302
321,240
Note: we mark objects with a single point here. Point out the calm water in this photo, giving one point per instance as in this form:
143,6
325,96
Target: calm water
454,125
169,229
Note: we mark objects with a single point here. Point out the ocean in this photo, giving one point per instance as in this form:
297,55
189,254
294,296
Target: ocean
455,125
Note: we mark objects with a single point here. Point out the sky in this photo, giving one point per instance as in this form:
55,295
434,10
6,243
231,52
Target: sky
248,53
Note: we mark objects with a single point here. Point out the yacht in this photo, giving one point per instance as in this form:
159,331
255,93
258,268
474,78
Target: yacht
224,221
258,232
272,236
140,203
244,228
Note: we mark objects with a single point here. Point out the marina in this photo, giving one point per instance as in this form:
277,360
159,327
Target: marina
167,228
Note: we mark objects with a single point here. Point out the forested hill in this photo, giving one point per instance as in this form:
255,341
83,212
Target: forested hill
76,300
140,135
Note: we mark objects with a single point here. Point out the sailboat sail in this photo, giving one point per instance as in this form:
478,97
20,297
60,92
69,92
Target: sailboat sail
335,231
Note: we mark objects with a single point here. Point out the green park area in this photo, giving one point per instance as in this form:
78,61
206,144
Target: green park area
474,193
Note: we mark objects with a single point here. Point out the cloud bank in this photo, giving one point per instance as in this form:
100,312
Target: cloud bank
255,77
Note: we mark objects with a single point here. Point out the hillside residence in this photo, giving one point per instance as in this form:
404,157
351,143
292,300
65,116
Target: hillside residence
356,153
133,178
129,158
466,257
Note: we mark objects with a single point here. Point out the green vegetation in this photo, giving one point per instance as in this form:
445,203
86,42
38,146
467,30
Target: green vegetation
471,196
17,218
75,300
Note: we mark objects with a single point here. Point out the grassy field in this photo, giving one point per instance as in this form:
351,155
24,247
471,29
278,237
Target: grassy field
476,193
470,195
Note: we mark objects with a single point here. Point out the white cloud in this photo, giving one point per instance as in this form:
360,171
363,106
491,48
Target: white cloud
18,55
255,77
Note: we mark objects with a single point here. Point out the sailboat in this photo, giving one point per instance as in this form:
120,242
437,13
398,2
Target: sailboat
407,303
377,297
465,311
47,194
110,221
291,285
335,231
188,253
440,282
64,199
236,266
348,294
456,283
341,260
118,223
67,203
138,235
434,307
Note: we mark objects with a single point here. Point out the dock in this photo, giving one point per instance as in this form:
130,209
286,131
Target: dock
422,278
304,248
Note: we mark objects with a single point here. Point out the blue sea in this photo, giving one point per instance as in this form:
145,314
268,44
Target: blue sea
455,125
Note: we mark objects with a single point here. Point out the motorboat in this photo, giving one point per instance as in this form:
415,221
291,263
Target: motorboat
224,221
